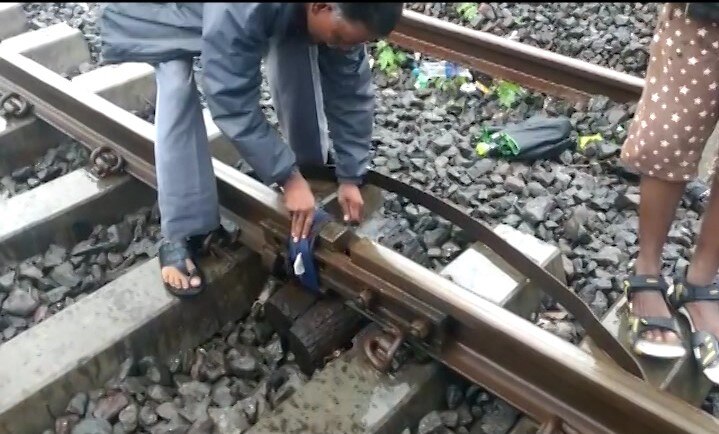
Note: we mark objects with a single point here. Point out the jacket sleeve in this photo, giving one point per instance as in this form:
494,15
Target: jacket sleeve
349,108
234,38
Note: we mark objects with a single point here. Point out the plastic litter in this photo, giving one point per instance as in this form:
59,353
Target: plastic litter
428,71
583,141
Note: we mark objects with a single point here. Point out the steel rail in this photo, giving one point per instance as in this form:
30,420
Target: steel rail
479,231
537,372
500,57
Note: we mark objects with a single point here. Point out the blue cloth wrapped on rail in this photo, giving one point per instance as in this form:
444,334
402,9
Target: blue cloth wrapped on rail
300,256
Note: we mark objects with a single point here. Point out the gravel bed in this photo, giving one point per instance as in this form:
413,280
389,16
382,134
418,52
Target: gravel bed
38,287
467,409
57,161
224,386
614,35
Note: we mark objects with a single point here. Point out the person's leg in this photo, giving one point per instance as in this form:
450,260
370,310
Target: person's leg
705,264
295,85
187,190
674,119
657,208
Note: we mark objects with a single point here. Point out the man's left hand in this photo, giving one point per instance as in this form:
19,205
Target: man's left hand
350,200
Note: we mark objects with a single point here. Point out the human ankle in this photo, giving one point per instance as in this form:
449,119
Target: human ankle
644,267
699,275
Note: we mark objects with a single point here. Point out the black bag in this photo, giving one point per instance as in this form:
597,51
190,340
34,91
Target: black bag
536,138
702,11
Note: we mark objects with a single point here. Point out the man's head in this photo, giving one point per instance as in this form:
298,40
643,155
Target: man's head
346,24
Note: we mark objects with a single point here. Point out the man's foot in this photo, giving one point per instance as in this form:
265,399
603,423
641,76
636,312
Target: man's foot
174,277
653,331
181,276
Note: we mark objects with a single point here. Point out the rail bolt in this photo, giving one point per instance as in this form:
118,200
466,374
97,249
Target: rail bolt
381,347
105,161
12,104
364,299
419,328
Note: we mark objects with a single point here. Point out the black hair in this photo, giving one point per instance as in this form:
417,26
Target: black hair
379,18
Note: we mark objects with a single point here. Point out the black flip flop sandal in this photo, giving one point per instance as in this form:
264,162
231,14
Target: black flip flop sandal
638,325
705,345
174,254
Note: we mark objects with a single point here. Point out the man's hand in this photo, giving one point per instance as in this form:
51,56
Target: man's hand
350,200
300,202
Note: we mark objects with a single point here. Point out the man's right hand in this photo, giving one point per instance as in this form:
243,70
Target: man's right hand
300,202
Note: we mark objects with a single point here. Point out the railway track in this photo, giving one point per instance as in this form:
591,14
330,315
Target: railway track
615,35
103,311
538,69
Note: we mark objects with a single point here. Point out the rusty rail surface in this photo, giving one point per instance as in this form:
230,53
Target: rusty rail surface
500,57
549,379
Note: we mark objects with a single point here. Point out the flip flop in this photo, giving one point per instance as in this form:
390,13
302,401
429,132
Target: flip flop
175,254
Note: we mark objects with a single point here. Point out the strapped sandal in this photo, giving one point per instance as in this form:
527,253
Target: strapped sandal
641,324
704,344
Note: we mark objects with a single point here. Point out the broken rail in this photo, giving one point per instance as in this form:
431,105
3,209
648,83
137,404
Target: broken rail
552,381
500,57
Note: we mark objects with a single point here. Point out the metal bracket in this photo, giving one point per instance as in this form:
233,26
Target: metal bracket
217,244
381,347
105,162
13,105
333,356
258,307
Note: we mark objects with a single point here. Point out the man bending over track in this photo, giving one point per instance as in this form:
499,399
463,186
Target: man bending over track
320,84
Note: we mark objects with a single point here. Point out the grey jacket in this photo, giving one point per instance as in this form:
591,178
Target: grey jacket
231,39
